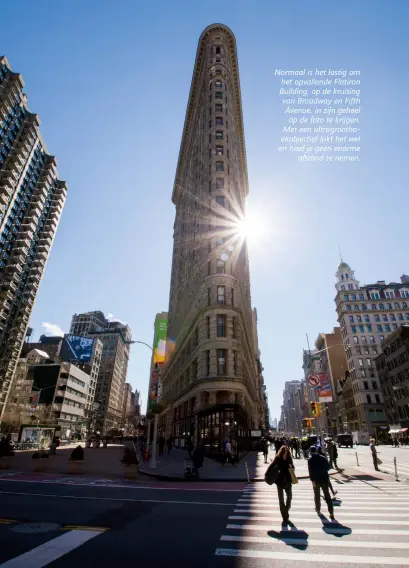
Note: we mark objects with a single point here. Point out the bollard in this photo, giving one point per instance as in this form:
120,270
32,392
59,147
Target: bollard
357,462
247,471
396,468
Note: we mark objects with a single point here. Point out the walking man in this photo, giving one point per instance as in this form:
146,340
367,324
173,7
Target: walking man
265,450
374,454
318,468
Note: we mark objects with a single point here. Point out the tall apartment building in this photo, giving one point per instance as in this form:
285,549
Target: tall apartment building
31,200
291,411
126,402
210,383
367,315
116,339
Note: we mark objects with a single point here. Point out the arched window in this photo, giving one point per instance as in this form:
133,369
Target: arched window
404,306
381,307
348,307
388,306
374,306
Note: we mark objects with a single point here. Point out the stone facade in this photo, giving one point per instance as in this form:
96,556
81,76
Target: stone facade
211,355
367,315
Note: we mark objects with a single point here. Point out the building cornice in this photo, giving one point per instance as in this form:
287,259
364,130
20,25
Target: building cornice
194,97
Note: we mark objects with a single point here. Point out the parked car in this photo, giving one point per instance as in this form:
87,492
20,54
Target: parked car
344,440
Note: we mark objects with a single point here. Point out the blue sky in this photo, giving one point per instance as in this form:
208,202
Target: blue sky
110,82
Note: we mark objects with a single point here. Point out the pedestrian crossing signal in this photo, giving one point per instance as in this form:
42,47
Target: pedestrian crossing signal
307,423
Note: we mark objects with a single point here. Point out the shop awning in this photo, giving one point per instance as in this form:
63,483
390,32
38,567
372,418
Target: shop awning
394,431
403,430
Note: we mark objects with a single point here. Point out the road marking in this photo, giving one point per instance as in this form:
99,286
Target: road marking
311,519
51,550
403,516
7,521
306,557
118,499
304,501
307,507
121,486
83,528
319,530
318,542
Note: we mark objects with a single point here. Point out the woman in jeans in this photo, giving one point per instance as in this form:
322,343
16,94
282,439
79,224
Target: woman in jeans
284,462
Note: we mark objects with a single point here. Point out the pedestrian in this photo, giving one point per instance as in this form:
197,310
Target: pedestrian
331,452
318,468
265,450
284,462
198,458
228,456
161,445
169,444
374,453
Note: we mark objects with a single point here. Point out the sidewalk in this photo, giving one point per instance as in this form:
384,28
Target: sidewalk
104,462
173,467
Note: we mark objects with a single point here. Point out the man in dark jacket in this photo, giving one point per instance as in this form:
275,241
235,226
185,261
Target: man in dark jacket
318,468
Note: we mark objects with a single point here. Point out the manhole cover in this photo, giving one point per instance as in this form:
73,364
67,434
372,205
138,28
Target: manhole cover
32,528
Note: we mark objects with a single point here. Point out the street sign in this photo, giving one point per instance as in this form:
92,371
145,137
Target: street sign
314,380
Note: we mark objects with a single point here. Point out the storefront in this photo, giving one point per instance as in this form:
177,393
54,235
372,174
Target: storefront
224,422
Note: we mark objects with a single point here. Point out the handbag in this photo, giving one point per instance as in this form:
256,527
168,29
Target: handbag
378,461
294,479
271,474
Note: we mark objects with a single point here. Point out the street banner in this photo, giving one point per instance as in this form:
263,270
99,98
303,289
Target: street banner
159,358
324,389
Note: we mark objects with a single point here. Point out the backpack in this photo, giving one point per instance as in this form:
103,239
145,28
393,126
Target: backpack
271,474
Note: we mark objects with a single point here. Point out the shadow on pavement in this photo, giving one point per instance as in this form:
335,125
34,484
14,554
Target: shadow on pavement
297,538
334,527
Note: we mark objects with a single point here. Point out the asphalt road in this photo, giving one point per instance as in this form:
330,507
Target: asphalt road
209,526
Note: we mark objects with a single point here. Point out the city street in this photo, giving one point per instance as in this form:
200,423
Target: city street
202,524
347,458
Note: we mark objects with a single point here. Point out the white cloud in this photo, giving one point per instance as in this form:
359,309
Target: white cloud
52,329
111,317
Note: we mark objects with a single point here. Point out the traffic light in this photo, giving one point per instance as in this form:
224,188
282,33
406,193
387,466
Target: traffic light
307,423
314,410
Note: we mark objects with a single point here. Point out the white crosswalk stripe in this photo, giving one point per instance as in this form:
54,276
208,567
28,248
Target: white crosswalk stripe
371,527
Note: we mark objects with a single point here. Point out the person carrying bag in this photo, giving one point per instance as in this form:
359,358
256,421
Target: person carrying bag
281,472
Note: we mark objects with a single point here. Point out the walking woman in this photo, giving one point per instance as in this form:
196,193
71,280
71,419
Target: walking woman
284,463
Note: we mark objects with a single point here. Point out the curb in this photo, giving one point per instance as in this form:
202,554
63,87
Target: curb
162,477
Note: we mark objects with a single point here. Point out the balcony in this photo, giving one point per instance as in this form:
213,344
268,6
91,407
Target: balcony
23,243
28,225
45,242
32,220
5,294
48,230
40,255
18,257
38,197
40,191
26,233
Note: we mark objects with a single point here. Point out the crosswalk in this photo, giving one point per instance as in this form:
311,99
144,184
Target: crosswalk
371,527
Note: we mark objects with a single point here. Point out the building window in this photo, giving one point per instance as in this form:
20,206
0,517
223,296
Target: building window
219,121
219,134
363,374
219,95
361,362
219,150
358,350
219,166
353,329
361,328
220,200
207,363
196,337
219,183
348,308
374,295
221,267
366,386
387,328
369,328
363,307
232,297
210,123
221,326
379,328
208,327
377,398
356,340
218,71
392,317
377,318
368,398
210,100
221,362
218,84
209,296
371,339
389,294
400,317
404,293
209,267
234,327
235,357
374,385
221,295
346,297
